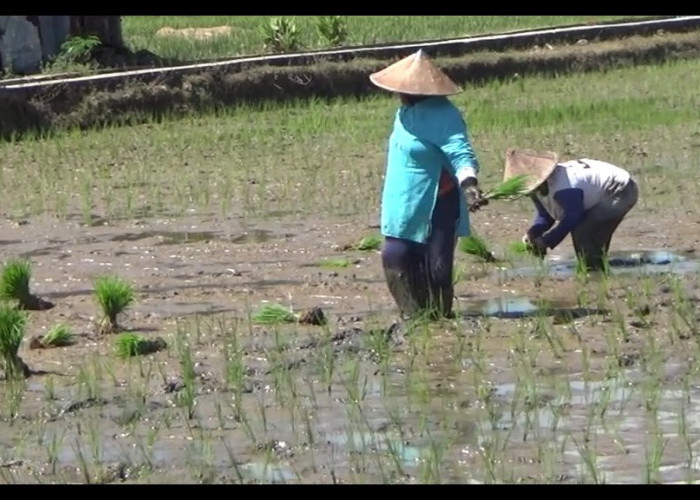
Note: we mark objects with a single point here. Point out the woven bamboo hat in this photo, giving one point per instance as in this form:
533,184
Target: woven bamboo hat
538,165
416,74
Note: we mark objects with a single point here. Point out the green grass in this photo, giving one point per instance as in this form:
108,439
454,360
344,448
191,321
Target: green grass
246,37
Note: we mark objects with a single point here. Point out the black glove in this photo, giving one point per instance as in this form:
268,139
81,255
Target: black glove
537,247
474,195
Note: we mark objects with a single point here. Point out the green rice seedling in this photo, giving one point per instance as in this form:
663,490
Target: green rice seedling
335,263
477,246
14,285
370,242
113,295
12,329
58,336
273,314
511,189
518,248
14,282
129,345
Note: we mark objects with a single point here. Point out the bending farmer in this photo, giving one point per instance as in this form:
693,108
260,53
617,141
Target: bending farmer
587,198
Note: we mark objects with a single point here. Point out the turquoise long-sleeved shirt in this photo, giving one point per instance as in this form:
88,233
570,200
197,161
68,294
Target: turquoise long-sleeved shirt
428,136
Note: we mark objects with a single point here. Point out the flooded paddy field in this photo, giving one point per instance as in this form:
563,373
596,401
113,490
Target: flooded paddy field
544,376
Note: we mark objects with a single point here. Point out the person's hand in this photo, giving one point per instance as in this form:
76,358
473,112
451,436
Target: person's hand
474,195
537,247
526,238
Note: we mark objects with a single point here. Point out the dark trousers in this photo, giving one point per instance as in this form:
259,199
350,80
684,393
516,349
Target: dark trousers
419,275
592,237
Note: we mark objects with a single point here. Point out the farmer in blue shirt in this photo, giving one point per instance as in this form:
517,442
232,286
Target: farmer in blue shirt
586,198
429,186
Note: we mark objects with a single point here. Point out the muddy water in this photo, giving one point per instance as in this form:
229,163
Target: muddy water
621,262
499,394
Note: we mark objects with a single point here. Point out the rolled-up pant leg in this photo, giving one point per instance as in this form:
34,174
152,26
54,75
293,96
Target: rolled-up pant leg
419,276
592,237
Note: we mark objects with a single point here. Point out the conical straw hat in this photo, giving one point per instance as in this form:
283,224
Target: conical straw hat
416,74
538,165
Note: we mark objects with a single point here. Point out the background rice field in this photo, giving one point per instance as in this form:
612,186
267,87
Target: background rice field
246,36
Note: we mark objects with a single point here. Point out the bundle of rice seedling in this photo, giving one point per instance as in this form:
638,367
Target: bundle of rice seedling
58,336
477,246
14,285
511,189
273,314
131,344
518,247
371,242
334,263
114,296
12,328
128,345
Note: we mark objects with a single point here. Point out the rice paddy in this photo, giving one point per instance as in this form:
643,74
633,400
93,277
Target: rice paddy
546,375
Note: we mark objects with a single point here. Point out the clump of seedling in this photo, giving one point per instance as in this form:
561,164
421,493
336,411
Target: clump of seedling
58,336
335,263
114,295
371,242
511,189
12,329
129,345
519,247
477,246
276,314
14,285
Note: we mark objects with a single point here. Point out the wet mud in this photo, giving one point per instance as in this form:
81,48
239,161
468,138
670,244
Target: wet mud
538,372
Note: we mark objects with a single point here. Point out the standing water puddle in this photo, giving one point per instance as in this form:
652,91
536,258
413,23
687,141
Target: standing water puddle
521,307
376,441
621,262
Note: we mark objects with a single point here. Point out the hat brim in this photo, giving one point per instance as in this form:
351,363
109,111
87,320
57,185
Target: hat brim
536,166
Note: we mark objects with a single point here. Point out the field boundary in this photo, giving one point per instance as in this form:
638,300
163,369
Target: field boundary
128,101
452,47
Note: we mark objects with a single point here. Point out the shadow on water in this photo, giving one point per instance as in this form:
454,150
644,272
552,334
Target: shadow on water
181,237
621,262
523,307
